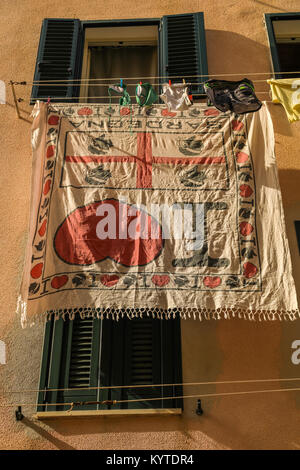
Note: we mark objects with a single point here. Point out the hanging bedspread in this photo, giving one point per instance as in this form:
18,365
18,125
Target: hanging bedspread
143,211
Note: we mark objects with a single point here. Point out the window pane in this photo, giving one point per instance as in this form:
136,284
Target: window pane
120,61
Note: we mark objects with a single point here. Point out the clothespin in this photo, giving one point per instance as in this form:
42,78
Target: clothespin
170,83
183,81
121,82
141,82
48,100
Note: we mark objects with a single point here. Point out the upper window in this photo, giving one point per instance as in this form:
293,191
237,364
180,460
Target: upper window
76,57
284,36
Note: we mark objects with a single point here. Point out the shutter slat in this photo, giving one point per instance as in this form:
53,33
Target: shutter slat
81,353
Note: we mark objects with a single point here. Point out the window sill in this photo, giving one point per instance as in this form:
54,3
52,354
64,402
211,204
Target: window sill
42,415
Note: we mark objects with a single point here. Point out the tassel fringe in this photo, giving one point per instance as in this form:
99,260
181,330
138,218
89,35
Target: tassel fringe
158,313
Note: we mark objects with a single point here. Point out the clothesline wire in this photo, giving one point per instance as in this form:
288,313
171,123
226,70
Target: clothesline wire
94,97
101,97
167,77
105,84
223,382
115,402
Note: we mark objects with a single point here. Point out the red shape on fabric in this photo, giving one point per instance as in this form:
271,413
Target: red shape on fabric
144,161
47,187
59,281
36,271
50,151
42,229
124,111
166,112
246,228
85,111
212,281
160,280
245,190
76,241
242,157
237,125
109,280
211,112
250,270
53,120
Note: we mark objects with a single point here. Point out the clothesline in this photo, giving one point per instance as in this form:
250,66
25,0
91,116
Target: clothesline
223,382
115,402
167,77
106,83
106,97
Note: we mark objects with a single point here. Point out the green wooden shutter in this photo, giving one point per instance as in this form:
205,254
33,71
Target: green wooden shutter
183,51
141,351
58,59
70,361
142,362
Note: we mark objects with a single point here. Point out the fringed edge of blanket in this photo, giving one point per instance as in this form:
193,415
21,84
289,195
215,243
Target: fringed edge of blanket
160,313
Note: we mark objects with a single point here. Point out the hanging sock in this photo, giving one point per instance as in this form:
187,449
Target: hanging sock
287,92
145,94
175,96
124,101
238,97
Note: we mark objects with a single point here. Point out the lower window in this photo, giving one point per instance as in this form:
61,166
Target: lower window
135,357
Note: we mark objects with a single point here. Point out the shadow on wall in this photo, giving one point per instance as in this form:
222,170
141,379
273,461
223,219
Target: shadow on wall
289,183
58,443
232,53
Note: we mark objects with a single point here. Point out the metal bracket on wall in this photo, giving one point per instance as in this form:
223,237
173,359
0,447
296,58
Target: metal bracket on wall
199,410
18,413
16,100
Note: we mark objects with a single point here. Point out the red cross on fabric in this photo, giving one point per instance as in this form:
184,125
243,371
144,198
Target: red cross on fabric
145,160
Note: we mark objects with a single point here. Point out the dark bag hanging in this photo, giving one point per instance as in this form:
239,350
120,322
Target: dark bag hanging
238,97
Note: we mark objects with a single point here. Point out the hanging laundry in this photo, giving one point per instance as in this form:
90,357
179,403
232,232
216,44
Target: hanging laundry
125,99
175,96
238,97
145,94
287,92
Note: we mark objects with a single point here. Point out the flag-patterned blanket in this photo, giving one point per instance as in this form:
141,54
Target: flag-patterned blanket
143,211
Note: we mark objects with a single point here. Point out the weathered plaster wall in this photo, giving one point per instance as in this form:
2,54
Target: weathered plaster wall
236,43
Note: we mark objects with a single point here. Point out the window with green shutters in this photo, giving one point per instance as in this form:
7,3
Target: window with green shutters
82,355
181,52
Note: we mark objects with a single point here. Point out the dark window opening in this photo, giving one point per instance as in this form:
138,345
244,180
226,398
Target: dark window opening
284,36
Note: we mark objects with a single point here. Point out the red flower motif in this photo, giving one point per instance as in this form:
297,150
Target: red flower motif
53,120
246,228
212,281
109,280
85,111
59,281
250,270
36,271
160,280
